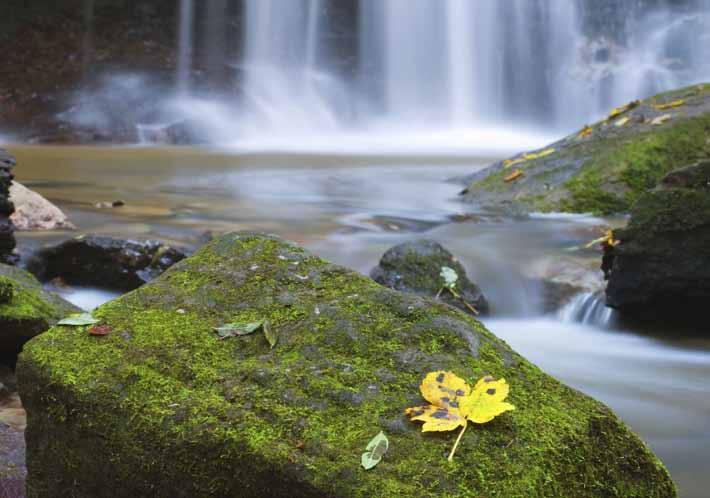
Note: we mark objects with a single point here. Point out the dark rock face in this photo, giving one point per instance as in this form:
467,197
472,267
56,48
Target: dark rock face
7,239
415,267
661,266
175,412
26,310
104,262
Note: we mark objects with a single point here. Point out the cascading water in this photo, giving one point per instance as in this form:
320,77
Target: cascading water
588,308
444,65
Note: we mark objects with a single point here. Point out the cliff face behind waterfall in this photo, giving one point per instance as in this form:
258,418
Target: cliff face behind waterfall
95,70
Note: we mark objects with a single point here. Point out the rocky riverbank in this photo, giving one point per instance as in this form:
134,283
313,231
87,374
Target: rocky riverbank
7,239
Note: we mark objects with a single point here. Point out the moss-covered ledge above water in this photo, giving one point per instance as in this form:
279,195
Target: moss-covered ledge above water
161,407
25,310
606,168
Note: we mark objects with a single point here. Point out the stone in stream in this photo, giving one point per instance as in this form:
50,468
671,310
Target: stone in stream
660,269
104,262
162,407
605,168
415,267
26,310
7,239
34,212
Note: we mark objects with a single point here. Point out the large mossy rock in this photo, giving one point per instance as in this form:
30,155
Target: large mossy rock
161,407
25,310
607,170
661,266
415,267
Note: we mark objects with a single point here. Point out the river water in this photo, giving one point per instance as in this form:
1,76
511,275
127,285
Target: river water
350,209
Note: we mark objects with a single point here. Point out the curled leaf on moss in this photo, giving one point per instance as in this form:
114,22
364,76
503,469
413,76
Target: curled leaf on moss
454,404
79,320
237,329
374,452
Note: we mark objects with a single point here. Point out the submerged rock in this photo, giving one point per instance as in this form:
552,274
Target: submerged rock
660,267
605,168
7,239
104,262
415,267
25,310
34,212
162,407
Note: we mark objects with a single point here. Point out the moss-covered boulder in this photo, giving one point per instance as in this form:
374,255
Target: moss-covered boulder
661,266
416,267
162,407
606,167
25,310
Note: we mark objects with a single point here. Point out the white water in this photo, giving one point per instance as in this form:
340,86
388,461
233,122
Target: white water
588,309
449,67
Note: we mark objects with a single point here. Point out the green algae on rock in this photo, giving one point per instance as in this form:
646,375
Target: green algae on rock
163,408
25,310
607,170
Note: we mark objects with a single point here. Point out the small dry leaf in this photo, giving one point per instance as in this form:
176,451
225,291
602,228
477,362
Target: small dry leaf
661,119
513,176
100,330
585,132
670,105
623,121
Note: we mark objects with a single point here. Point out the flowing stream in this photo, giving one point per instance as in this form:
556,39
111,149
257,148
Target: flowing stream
350,209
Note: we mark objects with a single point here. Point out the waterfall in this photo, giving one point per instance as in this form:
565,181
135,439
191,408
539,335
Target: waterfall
440,64
588,308
185,31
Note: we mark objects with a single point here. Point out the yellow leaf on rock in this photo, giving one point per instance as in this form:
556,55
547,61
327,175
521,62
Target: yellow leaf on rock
621,122
618,111
530,156
513,176
454,404
670,105
585,132
661,119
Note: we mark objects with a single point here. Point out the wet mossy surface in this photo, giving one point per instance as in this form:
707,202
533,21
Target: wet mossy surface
25,310
607,171
161,407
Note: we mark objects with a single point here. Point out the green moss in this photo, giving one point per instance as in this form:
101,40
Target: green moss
172,411
626,168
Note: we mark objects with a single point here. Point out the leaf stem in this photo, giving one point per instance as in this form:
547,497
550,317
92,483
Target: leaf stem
458,440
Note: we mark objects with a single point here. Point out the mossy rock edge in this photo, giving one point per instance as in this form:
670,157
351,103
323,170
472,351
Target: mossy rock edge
607,171
25,310
161,407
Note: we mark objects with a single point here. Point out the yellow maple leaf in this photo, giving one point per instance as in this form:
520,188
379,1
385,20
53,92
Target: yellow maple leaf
454,403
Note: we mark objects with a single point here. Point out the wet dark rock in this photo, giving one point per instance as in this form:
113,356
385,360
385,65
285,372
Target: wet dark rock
660,267
415,268
7,238
105,262
26,310
178,413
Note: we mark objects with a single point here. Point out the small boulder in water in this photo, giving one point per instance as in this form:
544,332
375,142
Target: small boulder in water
34,213
415,267
659,266
104,262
